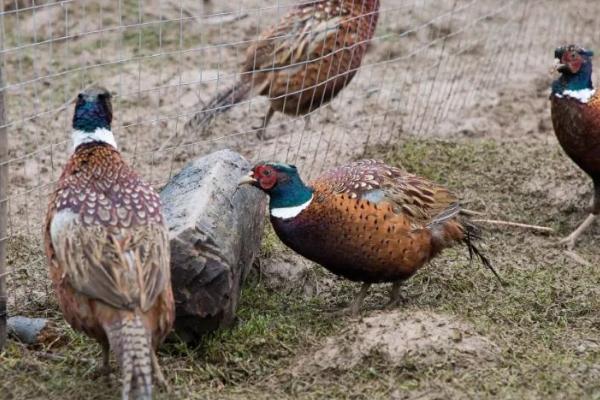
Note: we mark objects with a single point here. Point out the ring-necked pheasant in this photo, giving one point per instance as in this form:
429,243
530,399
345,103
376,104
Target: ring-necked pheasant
108,249
366,221
575,107
303,62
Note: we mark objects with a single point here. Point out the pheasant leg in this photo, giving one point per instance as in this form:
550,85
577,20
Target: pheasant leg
395,297
158,375
572,238
594,212
260,130
105,369
358,300
307,122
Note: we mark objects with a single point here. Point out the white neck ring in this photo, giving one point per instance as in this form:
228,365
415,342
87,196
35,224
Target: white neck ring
290,212
98,135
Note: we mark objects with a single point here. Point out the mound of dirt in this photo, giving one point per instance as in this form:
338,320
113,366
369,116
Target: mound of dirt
290,272
399,338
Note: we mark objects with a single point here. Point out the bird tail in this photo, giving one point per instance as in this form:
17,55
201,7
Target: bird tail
131,343
451,226
471,235
222,102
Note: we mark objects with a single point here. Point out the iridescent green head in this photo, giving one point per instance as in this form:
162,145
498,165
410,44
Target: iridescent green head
574,63
281,182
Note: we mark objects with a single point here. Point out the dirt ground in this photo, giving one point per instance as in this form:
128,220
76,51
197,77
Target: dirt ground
454,90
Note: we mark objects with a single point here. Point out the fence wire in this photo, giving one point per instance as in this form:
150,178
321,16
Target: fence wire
430,63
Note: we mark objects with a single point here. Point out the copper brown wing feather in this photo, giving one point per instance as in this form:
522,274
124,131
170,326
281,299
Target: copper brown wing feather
310,55
372,222
418,199
302,62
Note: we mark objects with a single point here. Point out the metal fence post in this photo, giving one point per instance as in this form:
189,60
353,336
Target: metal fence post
3,211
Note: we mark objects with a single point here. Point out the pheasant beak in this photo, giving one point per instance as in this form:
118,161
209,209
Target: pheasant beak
247,180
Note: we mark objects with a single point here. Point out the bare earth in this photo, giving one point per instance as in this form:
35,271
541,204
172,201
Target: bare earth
455,90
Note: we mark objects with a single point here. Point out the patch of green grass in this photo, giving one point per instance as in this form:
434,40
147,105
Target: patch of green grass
271,329
515,180
544,323
270,243
545,320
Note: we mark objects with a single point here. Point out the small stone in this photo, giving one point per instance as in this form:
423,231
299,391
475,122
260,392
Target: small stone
455,335
32,331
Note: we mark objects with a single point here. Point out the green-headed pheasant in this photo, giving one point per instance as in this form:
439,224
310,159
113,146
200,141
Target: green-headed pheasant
575,106
303,62
366,221
108,249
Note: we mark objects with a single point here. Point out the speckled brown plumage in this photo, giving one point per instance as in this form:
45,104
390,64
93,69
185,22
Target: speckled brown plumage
304,61
575,109
367,221
368,241
108,253
577,127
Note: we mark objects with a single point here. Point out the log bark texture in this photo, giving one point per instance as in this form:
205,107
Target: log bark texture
215,230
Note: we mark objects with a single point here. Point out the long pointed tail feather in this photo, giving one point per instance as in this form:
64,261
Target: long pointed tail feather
132,345
472,233
450,226
222,102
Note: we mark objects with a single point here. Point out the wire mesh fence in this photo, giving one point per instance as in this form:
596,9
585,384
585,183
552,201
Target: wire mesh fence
430,63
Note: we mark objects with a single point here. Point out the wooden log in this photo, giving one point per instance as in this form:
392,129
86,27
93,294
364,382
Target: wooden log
215,230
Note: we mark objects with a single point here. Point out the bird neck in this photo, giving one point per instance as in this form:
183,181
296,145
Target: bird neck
289,198
91,123
577,85
99,135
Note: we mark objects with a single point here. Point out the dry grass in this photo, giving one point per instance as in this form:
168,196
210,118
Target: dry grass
544,322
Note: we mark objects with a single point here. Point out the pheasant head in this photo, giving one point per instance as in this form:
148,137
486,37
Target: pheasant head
93,117
574,64
287,193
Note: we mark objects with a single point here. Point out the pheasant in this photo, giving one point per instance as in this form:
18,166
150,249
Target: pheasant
108,249
303,62
365,221
575,107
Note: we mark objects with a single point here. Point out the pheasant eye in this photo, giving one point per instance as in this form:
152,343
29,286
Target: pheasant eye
267,172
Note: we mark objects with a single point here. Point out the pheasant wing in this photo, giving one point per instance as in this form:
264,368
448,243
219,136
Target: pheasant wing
297,36
110,241
423,202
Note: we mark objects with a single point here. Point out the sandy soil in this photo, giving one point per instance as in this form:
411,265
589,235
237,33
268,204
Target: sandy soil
423,337
438,68
453,69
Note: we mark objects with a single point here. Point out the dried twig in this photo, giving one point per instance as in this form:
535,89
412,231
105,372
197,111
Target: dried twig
515,224
466,211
